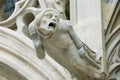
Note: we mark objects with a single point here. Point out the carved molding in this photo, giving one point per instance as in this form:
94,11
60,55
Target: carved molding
113,40
17,52
8,73
113,18
19,8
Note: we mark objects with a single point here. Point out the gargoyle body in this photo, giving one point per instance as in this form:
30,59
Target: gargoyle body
57,37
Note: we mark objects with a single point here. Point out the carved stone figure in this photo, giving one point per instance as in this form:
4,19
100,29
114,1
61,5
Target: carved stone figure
57,37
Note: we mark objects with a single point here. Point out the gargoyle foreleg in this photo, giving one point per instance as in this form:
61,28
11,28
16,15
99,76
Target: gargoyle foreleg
75,39
36,41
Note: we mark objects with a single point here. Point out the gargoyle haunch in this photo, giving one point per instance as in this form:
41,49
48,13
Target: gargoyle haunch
57,37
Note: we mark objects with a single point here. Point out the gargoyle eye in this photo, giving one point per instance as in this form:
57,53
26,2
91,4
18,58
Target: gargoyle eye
56,16
58,2
48,15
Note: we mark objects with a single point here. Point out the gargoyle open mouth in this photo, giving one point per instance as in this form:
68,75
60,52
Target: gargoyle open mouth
52,25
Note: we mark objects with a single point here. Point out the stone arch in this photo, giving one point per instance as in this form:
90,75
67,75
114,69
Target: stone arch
7,73
19,63
17,52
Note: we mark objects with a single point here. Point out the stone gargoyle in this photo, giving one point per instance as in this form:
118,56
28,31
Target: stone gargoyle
58,38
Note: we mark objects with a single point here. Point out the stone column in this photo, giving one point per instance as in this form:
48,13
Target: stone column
86,19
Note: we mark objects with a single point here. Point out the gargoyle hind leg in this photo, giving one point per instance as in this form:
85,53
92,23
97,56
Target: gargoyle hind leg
79,44
75,39
84,54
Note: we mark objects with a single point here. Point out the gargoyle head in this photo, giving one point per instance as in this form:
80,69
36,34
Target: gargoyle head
47,22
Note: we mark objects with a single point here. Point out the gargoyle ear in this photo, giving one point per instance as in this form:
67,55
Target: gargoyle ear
36,41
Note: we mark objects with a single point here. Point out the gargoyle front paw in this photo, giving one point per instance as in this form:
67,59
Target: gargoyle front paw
82,52
100,75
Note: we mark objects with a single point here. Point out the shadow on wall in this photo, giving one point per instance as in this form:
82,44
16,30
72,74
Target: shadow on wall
67,10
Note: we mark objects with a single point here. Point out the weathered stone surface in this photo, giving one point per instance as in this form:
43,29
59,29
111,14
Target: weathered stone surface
18,60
